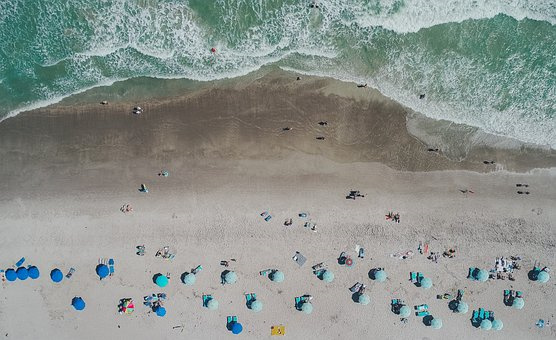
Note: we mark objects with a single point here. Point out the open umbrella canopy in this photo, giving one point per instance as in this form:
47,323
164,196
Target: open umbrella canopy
405,311
277,276
256,306
543,277
230,277
486,324
160,311
22,273
11,275
482,275
189,279
128,307
426,283
497,324
212,304
518,303
364,299
462,307
161,280
436,323
56,275
380,276
34,272
327,276
307,308
102,271
78,303
237,328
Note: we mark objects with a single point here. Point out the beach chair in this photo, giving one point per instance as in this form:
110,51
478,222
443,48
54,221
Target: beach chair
481,314
265,272
20,262
250,298
507,296
491,315
459,297
111,266
420,277
206,299
471,272
422,307
422,313
356,287
70,273
475,316
394,302
298,302
197,269
518,294
487,315
413,277
268,218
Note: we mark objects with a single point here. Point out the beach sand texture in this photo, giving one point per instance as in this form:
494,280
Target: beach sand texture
67,170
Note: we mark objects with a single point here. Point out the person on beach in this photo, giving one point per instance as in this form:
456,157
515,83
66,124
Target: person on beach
362,85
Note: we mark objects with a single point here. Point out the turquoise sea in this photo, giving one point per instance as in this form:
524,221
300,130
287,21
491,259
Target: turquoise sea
485,63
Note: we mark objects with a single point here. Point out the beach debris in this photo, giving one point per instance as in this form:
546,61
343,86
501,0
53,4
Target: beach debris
403,255
165,253
126,306
143,188
140,250
393,217
278,330
299,259
353,194
266,215
126,208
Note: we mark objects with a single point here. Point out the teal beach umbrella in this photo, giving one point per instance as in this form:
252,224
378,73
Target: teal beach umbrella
364,299
426,283
212,304
256,306
497,324
518,303
405,311
380,276
189,279
161,280
482,275
486,324
543,277
462,307
230,277
327,276
436,323
307,308
277,276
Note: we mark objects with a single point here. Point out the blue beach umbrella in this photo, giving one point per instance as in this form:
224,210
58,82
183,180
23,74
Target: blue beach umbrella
256,306
518,303
380,276
56,275
189,279
78,303
426,283
160,311
161,280
237,328
405,311
11,275
364,299
486,324
34,272
462,307
277,276
307,308
102,271
230,277
22,273
436,323
482,275
543,277
497,324
327,276
212,304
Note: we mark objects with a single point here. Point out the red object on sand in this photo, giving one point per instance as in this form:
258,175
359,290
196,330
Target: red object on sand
213,50
349,262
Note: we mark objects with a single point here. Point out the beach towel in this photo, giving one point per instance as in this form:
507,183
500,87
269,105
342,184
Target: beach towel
299,259
278,330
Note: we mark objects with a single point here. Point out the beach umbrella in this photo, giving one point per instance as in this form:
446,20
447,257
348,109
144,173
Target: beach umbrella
34,272
405,311
256,306
307,308
56,275
482,275
230,277
277,276
11,275
189,279
486,324
212,304
462,307
161,280
497,324
518,303
102,271
436,323
78,303
426,283
237,328
364,299
327,276
380,276
543,277
22,273
160,311
128,307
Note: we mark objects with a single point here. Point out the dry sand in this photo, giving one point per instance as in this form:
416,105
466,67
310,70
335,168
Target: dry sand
66,171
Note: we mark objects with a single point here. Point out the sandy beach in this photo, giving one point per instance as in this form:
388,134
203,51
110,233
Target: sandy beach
67,169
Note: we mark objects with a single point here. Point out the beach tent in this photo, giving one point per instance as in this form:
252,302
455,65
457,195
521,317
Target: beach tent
189,279
482,275
22,273
34,272
56,275
497,324
212,304
256,306
518,303
462,307
364,299
307,308
160,311
78,303
161,280
543,277
405,311
237,328
327,276
230,277
426,283
486,324
102,271
436,323
277,276
380,276
11,275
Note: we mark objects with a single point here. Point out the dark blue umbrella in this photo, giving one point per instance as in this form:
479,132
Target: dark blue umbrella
22,273
78,303
160,311
34,272
102,271
56,275
237,328
11,275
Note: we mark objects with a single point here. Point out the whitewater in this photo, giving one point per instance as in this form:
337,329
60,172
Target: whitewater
484,63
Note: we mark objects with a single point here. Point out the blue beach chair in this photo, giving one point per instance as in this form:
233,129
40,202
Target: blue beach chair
471,272
422,313
111,266
481,314
206,299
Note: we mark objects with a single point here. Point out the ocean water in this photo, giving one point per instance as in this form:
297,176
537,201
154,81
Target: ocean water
485,63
